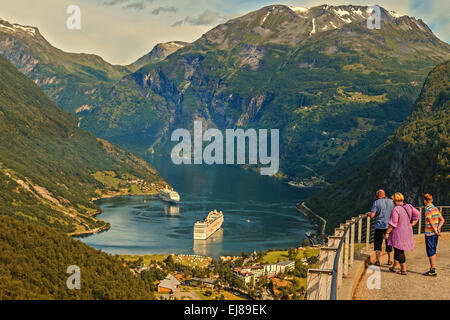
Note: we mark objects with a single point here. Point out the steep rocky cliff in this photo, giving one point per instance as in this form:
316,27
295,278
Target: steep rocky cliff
414,161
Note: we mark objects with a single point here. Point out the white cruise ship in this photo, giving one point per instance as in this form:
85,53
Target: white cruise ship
169,195
205,228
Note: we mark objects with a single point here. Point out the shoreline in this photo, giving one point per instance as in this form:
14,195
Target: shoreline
109,196
107,225
89,232
315,218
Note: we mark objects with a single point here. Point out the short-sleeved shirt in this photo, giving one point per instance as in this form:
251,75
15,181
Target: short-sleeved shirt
433,214
382,209
402,237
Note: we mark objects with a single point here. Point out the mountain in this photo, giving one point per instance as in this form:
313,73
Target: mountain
34,260
334,88
65,77
414,161
50,169
158,53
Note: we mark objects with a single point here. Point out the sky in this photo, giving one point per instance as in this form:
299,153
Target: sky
121,31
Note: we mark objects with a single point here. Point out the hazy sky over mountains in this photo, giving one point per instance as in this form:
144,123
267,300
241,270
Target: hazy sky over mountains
121,31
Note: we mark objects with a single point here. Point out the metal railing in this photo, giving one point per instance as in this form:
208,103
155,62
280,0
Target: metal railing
338,256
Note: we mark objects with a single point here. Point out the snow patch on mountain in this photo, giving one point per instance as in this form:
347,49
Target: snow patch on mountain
314,27
298,9
26,29
341,12
176,44
17,27
265,17
395,14
9,28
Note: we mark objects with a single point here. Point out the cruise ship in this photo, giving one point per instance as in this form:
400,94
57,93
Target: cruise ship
205,228
169,195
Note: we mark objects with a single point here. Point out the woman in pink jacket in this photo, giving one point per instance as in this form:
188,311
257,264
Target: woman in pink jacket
400,231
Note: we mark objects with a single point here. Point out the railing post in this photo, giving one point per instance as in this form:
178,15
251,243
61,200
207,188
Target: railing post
346,251
419,230
367,233
312,285
333,241
318,284
352,241
338,232
329,253
323,257
360,233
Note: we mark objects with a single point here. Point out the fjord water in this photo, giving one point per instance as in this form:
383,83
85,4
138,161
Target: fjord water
259,214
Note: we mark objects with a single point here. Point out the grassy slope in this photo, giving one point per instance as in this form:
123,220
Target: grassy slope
34,260
414,161
42,148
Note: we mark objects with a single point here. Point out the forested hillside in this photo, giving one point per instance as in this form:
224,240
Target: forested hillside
34,261
414,161
50,169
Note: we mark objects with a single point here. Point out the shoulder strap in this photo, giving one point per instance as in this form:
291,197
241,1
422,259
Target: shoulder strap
407,212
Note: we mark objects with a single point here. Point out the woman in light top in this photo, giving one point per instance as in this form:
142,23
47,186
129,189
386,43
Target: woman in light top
400,231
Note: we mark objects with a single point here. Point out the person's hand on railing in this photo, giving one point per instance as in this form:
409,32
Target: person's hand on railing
370,214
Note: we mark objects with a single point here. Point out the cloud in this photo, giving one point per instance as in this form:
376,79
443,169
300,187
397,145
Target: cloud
114,2
164,9
135,5
435,14
140,5
207,18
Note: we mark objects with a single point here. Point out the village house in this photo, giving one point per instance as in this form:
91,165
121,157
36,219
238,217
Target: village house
280,267
284,266
249,272
257,271
208,283
169,285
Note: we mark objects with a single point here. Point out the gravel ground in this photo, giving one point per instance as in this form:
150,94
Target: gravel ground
413,286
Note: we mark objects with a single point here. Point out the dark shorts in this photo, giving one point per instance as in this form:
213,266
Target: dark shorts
399,255
431,244
378,240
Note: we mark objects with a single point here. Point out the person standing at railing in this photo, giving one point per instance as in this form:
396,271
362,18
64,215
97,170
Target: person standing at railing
381,211
433,224
400,231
